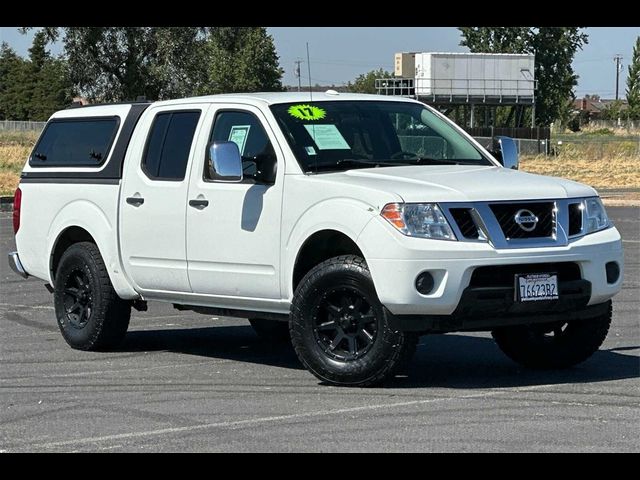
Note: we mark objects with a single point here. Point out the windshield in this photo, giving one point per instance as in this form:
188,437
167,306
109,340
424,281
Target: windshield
330,136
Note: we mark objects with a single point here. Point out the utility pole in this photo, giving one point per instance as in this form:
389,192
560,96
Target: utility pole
296,71
617,59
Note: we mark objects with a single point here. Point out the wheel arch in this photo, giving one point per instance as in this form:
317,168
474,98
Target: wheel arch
81,221
69,236
340,219
321,246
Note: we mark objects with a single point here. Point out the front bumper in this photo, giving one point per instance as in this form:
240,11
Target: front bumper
16,265
487,309
452,265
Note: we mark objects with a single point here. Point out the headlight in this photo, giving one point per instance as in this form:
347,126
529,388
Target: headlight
595,215
423,220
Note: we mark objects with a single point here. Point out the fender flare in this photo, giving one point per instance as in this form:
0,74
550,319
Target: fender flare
349,218
91,218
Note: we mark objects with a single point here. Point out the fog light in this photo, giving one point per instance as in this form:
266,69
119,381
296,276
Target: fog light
613,272
424,283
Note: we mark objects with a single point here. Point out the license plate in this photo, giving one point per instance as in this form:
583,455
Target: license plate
532,287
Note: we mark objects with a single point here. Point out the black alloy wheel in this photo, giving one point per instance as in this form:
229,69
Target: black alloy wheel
344,324
78,299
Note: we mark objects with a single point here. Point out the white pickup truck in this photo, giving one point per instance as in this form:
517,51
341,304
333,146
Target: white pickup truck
350,224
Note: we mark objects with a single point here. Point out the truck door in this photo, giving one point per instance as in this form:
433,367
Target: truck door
233,229
154,196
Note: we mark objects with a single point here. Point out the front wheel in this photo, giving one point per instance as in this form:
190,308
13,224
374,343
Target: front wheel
553,345
340,330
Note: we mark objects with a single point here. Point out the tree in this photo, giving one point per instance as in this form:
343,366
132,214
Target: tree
33,88
242,59
554,49
121,63
633,83
366,82
614,110
495,39
50,88
14,85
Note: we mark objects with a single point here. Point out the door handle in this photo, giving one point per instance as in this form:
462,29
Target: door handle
135,201
199,203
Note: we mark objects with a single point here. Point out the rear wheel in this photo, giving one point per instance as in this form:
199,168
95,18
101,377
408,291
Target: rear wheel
340,330
553,345
90,314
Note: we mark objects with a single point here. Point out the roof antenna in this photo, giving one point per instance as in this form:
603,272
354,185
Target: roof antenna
309,70
311,101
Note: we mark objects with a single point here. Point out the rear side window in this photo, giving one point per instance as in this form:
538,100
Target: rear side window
169,143
78,142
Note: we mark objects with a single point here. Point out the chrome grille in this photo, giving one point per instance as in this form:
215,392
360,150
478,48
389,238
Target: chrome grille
505,214
465,222
559,221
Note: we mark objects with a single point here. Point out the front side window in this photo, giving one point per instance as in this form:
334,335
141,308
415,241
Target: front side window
246,131
169,143
339,135
79,142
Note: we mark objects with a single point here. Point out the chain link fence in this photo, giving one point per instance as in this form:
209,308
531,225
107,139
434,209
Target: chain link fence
596,148
525,146
21,126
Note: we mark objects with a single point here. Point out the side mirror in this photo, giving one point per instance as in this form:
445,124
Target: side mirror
506,151
224,162
267,167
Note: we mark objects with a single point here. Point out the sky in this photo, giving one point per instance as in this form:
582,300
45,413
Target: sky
339,54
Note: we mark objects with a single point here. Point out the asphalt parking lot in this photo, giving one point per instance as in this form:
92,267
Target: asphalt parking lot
187,382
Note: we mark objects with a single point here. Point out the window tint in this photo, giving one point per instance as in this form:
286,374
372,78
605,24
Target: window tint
247,132
75,142
168,145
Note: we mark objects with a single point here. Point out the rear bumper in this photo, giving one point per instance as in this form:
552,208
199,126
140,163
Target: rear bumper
16,265
489,308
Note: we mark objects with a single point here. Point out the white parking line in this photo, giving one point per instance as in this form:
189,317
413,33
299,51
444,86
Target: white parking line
138,369
630,241
212,361
277,418
41,307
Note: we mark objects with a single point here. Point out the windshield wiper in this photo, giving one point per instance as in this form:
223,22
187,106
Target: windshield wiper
441,161
354,163
373,163
349,163
423,160
357,161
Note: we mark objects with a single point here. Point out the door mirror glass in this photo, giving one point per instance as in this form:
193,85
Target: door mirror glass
506,152
224,162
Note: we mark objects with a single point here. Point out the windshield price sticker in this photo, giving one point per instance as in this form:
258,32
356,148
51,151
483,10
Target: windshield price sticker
327,137
238,135
307,112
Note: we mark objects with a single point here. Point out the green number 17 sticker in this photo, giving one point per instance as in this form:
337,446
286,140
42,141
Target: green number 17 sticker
307,112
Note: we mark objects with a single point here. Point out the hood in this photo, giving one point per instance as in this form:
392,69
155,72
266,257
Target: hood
461,183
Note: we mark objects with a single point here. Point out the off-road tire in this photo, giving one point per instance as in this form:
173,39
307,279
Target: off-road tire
576,341
107,318
387,351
